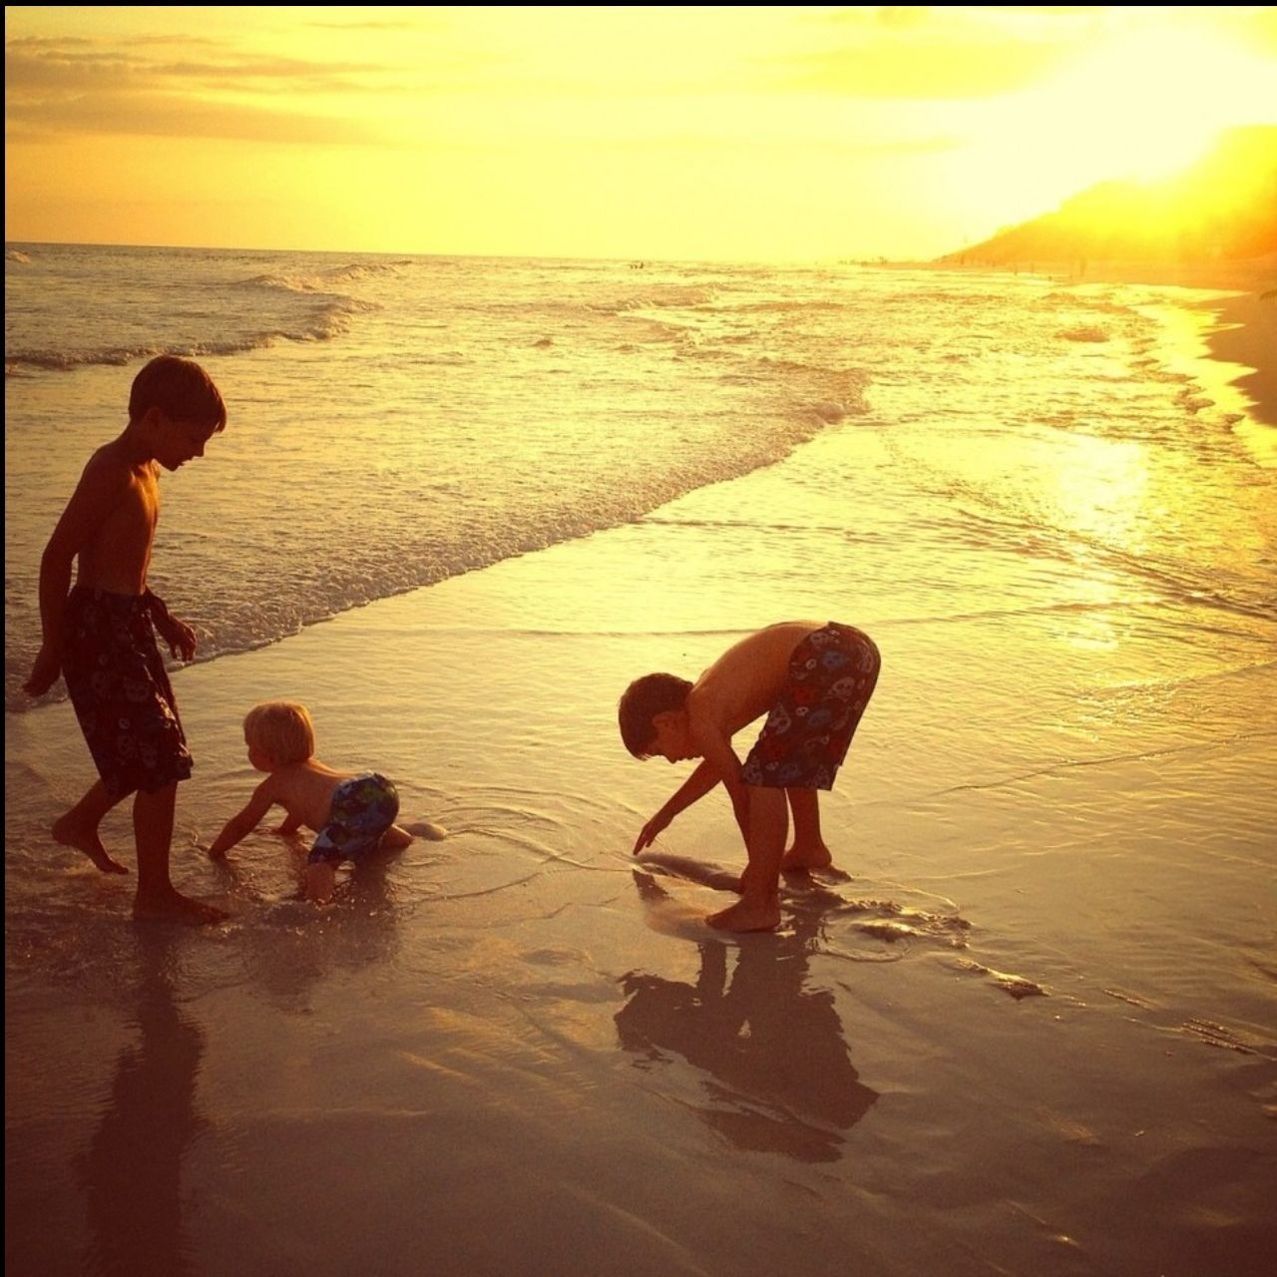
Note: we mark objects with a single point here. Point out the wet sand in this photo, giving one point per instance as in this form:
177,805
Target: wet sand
1247,336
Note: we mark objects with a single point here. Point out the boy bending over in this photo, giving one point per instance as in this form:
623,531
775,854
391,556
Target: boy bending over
813,681
352,814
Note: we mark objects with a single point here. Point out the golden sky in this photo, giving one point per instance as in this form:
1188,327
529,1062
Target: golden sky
641,132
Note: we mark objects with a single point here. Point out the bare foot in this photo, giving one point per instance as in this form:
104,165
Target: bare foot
172,906
746,916
804,856
87,841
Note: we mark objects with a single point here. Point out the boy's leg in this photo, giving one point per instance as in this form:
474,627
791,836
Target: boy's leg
808,850
395,839
759,906
157,898
78,828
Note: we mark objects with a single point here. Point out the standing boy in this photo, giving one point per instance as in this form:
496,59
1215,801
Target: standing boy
101,635
813,680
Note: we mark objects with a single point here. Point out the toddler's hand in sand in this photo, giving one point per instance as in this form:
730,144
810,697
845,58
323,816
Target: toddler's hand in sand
647,835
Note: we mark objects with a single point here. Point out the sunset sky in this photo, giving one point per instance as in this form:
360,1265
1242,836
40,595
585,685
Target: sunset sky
693,132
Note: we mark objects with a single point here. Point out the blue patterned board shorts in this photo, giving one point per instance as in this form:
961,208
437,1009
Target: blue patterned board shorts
121,692
364,807
832,674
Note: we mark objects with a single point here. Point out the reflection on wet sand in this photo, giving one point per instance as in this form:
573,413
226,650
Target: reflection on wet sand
291,946
780,1076
132,1172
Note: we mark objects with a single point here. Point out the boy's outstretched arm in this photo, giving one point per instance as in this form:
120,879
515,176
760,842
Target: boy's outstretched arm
692,790
718,752
244,822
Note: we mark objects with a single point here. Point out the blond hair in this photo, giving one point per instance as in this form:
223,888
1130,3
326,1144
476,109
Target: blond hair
281,729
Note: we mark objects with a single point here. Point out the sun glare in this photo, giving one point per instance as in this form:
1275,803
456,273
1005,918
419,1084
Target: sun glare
1143,106
1149,102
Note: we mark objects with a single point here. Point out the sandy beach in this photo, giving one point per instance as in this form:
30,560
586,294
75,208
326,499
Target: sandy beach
540,349
1247,337
1031,1033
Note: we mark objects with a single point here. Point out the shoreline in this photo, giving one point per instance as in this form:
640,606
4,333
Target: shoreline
1241,338
1245,335
1244,331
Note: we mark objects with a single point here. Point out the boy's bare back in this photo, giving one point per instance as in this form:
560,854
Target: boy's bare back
746,680
304,790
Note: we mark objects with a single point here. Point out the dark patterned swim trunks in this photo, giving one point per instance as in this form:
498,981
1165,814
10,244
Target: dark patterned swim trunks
832,674
363,808
121,691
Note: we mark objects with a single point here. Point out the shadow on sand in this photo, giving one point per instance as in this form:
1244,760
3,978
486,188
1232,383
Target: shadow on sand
777,1070
132,1171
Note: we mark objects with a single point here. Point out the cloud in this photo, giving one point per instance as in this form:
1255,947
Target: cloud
64,66
921,53
159,115
58,86
81,41
366,26
926,74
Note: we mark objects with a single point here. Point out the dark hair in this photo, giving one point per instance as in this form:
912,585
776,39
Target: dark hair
645,698
179,388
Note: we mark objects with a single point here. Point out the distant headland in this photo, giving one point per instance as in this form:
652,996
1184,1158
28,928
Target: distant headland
1223,209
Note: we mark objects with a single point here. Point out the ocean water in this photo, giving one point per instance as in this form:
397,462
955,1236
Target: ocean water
395,421
1033,1033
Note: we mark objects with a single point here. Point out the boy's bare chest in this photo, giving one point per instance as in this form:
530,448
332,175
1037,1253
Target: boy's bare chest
139,511
118,555
133,520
